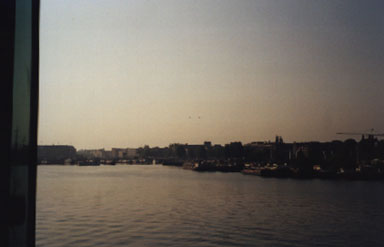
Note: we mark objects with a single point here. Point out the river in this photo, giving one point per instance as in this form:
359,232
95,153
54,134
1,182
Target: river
154,205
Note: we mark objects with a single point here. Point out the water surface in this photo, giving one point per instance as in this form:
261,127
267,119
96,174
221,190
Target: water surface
167,206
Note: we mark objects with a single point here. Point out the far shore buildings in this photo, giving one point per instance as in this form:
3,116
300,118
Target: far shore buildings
334,154
59,154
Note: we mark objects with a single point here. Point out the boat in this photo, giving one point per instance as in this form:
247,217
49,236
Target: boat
88,163
172,163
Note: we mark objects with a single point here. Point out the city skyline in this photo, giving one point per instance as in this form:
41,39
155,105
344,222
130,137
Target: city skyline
343,138
135,73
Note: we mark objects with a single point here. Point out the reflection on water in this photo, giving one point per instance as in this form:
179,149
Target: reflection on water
166,206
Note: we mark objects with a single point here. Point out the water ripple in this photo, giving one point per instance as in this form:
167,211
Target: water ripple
162,206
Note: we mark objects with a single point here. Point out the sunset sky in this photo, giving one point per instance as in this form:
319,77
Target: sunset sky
119,73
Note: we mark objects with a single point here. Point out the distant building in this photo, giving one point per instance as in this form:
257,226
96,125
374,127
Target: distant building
123,153
131,152
92,153
195,151
117,153
107,154
55,153
207,144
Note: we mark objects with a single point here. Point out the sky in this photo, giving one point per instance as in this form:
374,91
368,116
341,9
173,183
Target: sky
128,73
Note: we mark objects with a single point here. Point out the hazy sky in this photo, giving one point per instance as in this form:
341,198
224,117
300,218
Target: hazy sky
128,73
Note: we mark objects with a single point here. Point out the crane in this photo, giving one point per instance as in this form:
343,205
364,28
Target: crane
371,133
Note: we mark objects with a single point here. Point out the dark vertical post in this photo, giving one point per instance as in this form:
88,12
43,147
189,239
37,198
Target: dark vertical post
19,44
7,29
